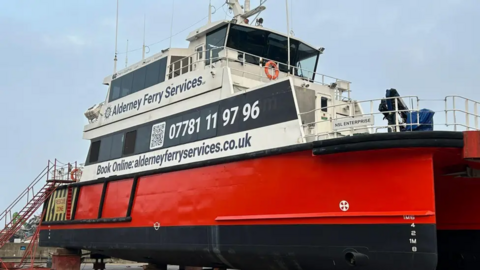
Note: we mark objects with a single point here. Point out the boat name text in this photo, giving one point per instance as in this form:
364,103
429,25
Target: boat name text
148,98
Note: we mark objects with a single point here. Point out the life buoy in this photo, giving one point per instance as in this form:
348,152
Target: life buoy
73,176
268,65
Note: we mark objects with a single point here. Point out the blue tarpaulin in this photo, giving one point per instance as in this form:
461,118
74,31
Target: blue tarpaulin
425,119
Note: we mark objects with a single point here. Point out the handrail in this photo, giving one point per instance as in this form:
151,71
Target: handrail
29,187
458,122
50,172
171,68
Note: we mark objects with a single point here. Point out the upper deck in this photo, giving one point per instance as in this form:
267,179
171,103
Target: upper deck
245,49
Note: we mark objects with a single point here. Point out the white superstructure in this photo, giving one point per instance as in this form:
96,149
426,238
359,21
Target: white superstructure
170,102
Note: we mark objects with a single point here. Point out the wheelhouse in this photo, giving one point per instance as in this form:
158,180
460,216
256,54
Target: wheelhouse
258,45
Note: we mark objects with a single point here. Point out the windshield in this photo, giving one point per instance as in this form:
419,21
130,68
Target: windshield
273,46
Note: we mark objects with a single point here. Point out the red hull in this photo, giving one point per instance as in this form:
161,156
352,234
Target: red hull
392,196
281,189
457,203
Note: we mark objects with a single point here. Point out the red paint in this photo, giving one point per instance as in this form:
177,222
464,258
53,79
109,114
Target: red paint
8,265
116,198
471,141
375,183
456,199
329,215
88,202
66,262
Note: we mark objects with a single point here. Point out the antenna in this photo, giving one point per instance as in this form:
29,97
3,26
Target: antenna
171,23
126,55
116,35
143,47
288,36
239,12
210,11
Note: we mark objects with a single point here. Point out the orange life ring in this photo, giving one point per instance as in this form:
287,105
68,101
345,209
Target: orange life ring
268,65
72,174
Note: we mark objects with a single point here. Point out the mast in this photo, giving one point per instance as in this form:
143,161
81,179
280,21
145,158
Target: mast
239,14
210,11
143,47
288,36
246,6
171,24
126,55
116,36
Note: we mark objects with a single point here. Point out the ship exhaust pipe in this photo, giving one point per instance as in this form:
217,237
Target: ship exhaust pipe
356,259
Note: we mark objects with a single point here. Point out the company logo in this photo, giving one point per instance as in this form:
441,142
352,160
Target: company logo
108,111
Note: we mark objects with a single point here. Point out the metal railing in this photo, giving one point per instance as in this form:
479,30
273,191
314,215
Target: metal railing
459,113
53,171
453,113
226,56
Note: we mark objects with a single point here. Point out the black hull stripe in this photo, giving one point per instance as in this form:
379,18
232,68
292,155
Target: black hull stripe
346,144
393,136
89,221
260,246
387,144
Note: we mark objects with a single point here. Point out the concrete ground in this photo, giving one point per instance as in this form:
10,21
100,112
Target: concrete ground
88,266
137,266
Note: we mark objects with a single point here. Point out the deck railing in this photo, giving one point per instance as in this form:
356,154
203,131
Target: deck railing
225,56
453,113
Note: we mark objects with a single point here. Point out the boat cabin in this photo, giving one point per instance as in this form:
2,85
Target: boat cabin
223,59
245,49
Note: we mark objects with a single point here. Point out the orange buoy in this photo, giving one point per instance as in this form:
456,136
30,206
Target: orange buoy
268,65
73,176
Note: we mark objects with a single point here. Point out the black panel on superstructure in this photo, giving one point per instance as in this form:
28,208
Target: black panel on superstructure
269,105
259,247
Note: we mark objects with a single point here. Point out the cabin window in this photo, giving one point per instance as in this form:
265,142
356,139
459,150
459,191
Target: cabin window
248,40
115,89
153,72
116,149
105,148
138,80
215,41
199,51
129,144
142,143
127,82
324,104
307,61
175,66
265,44
94,151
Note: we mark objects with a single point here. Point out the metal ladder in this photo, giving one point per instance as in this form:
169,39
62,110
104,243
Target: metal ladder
13,223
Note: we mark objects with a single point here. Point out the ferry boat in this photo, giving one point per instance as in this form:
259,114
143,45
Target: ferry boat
236,153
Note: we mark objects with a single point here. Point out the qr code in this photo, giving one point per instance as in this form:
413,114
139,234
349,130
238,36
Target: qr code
158,135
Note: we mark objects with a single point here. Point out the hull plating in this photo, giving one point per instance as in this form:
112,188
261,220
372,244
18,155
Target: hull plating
287,210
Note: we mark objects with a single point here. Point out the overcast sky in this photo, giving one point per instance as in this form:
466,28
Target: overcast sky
55,54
